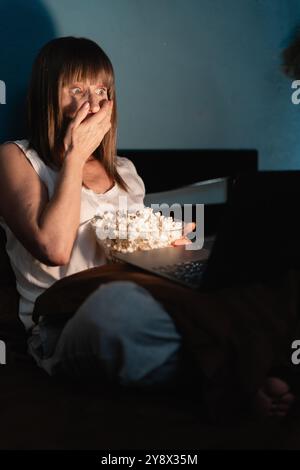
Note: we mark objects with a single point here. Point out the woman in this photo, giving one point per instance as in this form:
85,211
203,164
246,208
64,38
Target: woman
50,187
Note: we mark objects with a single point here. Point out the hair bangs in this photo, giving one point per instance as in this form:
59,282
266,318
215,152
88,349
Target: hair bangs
87,63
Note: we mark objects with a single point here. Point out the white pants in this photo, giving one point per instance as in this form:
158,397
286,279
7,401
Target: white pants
120,333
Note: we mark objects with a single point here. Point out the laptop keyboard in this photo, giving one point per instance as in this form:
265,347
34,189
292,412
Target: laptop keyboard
189,272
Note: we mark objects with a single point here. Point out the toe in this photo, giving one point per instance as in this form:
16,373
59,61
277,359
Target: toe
288,399
276,387
274,399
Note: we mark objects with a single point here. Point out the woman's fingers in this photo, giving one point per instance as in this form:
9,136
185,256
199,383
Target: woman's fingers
98,117
184,240
189,228
81,114
103,113
87,129
181,241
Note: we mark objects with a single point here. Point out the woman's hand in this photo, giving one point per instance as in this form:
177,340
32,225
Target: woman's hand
86,131
184,240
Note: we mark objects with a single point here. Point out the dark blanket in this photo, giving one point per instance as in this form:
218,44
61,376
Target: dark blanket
232,337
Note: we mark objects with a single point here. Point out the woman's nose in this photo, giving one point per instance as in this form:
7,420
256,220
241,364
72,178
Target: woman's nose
95,102
94,105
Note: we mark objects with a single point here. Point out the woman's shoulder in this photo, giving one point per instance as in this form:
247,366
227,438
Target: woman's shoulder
20,147
124,162
22,144
128,171
126,167
14,146
12,151
23,148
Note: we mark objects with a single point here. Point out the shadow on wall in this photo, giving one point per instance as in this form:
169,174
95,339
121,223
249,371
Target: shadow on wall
24,28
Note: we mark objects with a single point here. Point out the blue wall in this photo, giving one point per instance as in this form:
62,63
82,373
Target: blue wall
190,73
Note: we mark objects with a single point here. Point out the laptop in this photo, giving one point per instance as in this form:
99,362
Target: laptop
257,238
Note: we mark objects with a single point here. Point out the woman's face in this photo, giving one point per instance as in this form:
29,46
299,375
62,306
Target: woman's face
75,94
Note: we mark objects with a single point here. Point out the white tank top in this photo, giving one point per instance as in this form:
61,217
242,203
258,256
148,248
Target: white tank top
34,277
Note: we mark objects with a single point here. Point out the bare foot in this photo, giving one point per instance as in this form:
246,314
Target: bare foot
274,398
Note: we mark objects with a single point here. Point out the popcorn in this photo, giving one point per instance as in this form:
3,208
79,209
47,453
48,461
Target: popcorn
128,231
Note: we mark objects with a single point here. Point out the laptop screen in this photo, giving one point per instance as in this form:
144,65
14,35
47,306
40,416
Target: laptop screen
259,235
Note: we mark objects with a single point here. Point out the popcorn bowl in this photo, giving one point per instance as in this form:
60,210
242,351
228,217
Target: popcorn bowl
127,237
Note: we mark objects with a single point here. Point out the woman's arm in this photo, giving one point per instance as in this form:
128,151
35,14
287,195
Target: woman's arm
59,221
48,228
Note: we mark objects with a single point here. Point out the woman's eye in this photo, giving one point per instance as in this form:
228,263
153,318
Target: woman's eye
76,91
101,92
79,91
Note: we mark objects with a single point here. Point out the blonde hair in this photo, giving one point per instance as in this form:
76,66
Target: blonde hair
60,62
